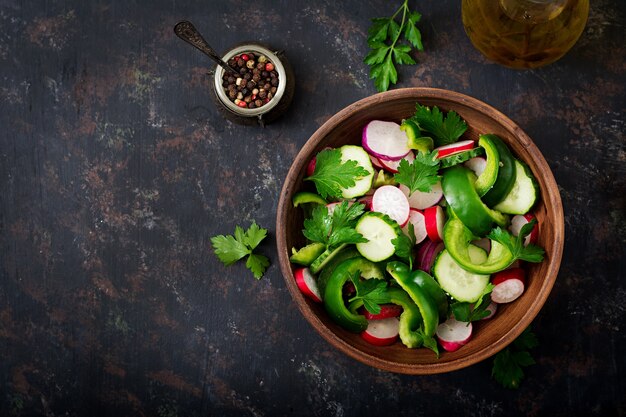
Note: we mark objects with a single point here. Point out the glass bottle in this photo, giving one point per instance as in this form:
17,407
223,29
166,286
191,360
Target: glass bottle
524,33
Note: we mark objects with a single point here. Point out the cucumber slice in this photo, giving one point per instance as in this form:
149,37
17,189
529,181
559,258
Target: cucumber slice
524,193
459,158
306,255
362,185
326,256
379,230
460,284
487,179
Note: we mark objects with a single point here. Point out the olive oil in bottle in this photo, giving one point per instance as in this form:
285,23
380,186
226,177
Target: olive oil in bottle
524,33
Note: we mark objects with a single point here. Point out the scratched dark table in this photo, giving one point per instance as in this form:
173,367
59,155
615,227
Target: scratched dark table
116,169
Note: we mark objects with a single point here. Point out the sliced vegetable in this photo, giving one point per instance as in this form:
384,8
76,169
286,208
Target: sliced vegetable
492,308
391,201
307,284
460,157
364,183
477,165
458,188
523,194
304,197
427,306
487,178
385,140
330,266
415,139
307,254
419,200
382,332
453,148
386,311
379,230
452,334
392,166
462,285
416,218
435,220
518,221
325,257
427,254
383,178
506,173
509,285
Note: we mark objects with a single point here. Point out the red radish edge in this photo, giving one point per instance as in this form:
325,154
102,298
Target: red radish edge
366,201
509,285
452,334
385,140
389,200
392,166
376,162
419,200
307,284
483,243
453,148
491,308
381,332
310,168
434,219
386,311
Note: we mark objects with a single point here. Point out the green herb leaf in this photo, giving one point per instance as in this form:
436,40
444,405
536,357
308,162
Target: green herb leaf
331,175
404,245
231,248
443,131
466,312
371,291
509,363
530,253
336,229
386,50
317,228
421,174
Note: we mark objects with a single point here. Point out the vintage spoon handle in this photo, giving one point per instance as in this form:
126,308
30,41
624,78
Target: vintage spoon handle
187,32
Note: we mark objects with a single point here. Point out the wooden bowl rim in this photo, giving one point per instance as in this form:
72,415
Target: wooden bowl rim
550,193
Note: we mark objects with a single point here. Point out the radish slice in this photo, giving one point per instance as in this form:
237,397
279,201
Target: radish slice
509,285
392,166
331,206
516,264
310,168
382,332
376,162
385,140
391,201
307,284
518,221
434,219
416,218
447,150
427,258
484,243
477,164
386,311
419,200
491,308
452,334
366,201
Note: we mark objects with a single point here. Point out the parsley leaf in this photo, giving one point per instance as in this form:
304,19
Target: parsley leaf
404,245
467,312
386,49
331,175
336,229
421,174
530,253
444,131
509,363
229,249
371,291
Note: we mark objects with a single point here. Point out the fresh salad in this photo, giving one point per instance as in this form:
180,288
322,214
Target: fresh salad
418,232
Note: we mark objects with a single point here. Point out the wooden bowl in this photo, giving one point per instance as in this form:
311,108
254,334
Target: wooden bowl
490,336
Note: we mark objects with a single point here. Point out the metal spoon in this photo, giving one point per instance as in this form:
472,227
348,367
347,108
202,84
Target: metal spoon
187,32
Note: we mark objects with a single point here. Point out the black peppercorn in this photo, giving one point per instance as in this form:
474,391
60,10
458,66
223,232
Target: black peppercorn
240,62
242,71
258,103
262,94
273,90
265,74
267,86
245,91
251,105
274,82
250,85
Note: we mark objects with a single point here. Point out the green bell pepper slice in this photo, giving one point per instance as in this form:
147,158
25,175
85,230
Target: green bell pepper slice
457,239
333,295
307,254
458,188
416,140
427,306
304,197
506,173
487,179
430,285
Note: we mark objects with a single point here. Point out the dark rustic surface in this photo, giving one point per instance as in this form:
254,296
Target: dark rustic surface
115,169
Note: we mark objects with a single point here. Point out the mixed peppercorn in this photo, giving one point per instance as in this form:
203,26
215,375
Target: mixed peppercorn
257,81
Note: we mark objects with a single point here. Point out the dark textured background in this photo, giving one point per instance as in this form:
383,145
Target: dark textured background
115,169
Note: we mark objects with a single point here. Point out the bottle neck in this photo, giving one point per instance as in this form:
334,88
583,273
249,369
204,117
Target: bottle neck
533,11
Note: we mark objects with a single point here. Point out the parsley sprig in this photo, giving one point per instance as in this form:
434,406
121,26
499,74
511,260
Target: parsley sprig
404,245
337,228
386,47
331,175
421,174
530,253
468,312
229,249
444,131
509,363
371,291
